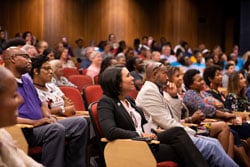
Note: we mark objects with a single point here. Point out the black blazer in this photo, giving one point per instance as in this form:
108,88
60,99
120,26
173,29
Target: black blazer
115,122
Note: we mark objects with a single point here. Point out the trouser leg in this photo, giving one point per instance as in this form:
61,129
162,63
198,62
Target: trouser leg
183,146
77,135
51,138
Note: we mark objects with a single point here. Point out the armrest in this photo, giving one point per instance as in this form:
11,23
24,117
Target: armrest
242,115
82,113
24,126
78,113
105,140
189,124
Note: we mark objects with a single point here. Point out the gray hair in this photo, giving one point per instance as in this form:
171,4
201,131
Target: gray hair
93,55
54,63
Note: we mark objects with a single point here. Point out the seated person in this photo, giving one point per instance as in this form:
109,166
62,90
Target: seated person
47,131
49,93
10,100
58,78
136,67
194,97
120,118
236,100
65,58
151,100
95,66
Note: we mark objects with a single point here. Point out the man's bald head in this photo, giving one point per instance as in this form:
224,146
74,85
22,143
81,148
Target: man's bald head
17,60
156,72
11,52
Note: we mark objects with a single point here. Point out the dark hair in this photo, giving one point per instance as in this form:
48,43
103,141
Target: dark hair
208,57
106,62
130,64
37,63
233,84
110,81
47,51
246,64
26,33
209,73
229,65
14,42
188,77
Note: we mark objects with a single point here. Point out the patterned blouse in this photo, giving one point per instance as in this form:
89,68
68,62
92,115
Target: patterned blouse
195,100
235,103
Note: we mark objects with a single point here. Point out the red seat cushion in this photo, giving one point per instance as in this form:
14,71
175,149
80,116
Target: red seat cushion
167,164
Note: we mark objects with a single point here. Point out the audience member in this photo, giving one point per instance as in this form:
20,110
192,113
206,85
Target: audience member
31,50
58,78
79,50
41,73
47,132
86,61
136,67
95,66
41,46
230,68
10,100
121,59
49,53
236,99
64,57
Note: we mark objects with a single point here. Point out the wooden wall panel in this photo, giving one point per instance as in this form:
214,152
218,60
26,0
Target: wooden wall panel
195,21
22,15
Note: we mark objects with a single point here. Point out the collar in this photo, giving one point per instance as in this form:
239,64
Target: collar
19,80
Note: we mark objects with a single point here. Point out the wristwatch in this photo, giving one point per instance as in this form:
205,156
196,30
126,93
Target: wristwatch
62,109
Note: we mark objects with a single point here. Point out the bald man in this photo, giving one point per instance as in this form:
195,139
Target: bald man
10,155
47,131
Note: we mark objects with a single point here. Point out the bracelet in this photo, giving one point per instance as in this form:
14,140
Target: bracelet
188,120
62,109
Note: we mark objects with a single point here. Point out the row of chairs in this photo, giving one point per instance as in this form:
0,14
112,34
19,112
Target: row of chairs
67,72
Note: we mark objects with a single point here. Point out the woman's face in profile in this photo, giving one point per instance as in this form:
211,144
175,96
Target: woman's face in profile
177,79
198,83
127,83
242,81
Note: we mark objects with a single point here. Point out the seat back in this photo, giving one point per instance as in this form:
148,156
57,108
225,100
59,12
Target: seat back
94,119
96,79
84,71
133,93
74,95
81,81
98,132
124,153
92,93
17,135
70,71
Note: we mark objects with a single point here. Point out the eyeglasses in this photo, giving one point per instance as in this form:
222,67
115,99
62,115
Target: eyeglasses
47,68
26,56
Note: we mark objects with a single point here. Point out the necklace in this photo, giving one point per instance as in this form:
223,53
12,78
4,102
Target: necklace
43,86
